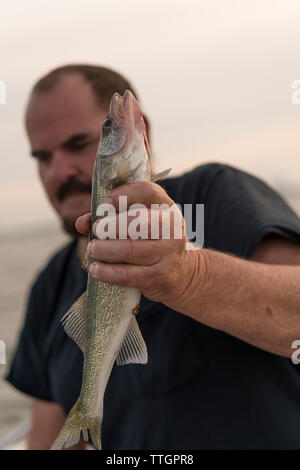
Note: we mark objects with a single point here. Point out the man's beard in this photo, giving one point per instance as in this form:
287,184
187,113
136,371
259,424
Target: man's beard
73,185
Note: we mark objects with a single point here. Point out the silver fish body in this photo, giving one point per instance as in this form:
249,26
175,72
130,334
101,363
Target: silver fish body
102,321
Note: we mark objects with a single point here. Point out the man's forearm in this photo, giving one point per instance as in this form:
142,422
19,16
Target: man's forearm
258,303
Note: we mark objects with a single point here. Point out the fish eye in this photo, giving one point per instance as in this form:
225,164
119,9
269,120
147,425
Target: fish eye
107,122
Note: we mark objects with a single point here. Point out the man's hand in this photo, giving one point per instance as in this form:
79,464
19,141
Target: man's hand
161,268
257,302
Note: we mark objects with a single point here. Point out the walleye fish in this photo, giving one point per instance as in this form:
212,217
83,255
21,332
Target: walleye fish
102,321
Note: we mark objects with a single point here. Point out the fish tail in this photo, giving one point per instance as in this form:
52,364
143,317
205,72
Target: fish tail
75,424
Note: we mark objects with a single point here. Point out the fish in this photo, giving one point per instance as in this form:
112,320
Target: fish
102,321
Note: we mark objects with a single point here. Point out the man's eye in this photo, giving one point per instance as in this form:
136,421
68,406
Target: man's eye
77,146
43,157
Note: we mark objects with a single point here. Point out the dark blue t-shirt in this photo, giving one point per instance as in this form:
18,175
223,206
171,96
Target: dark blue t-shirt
202,388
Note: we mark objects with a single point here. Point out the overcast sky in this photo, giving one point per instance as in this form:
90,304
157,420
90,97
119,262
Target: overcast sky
214,77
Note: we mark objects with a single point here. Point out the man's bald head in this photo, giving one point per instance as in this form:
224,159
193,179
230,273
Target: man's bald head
103,81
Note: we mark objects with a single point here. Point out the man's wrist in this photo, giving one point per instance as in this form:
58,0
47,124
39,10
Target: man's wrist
195,282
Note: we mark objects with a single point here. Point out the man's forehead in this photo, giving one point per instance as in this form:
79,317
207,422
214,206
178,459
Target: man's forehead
72,94
68,108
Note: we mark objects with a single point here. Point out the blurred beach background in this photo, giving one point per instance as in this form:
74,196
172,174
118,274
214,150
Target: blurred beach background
214,77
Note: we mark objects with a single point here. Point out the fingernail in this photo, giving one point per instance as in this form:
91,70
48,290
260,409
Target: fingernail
84,216
92,269
89,248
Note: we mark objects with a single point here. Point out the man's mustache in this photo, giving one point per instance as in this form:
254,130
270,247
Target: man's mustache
71,186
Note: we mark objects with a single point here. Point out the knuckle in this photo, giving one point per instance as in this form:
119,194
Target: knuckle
155,277
145,282
152,190
165,278
122,274
126,249
93,251
179,244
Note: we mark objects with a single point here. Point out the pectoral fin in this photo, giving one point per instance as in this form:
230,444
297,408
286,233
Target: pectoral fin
74,321
133,349
161,175
123,170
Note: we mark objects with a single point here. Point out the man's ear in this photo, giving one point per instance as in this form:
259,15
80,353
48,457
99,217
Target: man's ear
147,125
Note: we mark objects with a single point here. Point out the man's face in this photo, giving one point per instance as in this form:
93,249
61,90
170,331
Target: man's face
64,126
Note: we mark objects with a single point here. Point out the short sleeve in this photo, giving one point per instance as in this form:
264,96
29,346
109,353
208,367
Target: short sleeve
28,372
241,209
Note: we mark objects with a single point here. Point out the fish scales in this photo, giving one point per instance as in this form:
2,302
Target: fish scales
102,321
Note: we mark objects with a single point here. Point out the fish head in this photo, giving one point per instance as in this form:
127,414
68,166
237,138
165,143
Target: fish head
123,153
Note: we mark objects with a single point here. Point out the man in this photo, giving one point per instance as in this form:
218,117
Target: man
218,322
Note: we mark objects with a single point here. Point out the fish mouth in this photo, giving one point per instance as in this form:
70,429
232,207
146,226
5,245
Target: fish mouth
124,110
122,133
119,102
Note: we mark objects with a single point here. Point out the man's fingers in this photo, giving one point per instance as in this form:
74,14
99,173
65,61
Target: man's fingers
139,252
120,274
82,224
144,224
145,193
119,226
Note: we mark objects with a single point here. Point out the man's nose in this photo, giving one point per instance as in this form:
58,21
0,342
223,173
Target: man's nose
62,166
